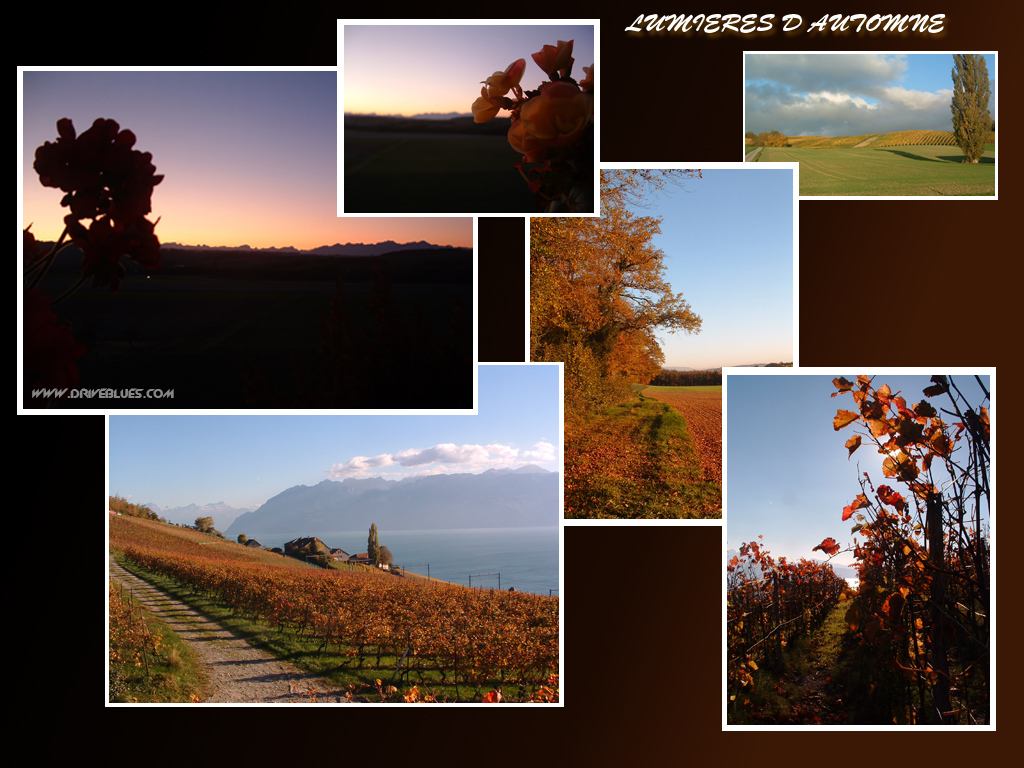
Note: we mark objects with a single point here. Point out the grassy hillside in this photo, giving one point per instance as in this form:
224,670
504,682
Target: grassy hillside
829,142
925,170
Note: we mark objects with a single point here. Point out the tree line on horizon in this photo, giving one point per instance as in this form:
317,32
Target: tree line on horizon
771,138
670,378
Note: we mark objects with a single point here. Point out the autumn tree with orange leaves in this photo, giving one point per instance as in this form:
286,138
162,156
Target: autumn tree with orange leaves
598,292
923,609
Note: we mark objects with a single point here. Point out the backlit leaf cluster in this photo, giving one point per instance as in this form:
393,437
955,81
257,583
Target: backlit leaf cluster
922,590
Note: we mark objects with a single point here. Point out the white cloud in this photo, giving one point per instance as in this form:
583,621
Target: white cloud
838,95
921,101
447,452
499,451
443,458
857,73
360,466
542,451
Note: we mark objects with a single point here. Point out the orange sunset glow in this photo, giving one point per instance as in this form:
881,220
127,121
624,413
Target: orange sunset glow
440,66
248,158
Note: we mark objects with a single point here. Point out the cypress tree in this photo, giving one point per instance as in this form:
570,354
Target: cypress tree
372,545
971,92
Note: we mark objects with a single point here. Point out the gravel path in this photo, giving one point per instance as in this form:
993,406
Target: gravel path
238,672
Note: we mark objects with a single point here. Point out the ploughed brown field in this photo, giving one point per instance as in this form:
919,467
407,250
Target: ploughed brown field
703,413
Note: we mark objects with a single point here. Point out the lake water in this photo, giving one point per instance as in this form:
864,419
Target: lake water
526,558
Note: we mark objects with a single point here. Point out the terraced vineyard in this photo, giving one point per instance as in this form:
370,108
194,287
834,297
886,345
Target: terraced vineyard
917,138
879,140
828,142
368,624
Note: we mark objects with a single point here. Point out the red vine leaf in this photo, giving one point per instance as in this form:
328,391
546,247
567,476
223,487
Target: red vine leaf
858,503
941,387
884,394
843,419
852,445
829,546
926,410
900,466
878,427
888,496
842,385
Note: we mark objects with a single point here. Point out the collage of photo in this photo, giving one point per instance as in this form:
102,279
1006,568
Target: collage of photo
388,353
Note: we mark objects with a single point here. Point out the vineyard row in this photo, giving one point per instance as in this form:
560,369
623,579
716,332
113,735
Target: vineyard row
462,636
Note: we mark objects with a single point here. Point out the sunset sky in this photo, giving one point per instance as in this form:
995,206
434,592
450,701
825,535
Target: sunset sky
439,68
249,157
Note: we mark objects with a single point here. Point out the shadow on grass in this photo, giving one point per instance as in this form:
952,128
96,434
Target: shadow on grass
941,159
912,156
959,158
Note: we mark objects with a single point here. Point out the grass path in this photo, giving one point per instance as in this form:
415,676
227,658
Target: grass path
819,687
636,461
702,411
812,689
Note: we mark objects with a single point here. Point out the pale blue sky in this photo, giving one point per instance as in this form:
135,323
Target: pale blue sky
851,94
728,244
788,473
243,460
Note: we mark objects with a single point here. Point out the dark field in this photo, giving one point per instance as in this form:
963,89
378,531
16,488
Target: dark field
390,171
230,337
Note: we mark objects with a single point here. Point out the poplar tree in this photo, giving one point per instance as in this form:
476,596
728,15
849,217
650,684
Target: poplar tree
971,92
372,545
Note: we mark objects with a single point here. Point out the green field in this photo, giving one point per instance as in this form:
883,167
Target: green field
432,173
910,171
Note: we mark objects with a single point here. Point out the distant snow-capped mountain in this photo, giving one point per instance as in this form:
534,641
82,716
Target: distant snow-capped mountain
525,497
222,514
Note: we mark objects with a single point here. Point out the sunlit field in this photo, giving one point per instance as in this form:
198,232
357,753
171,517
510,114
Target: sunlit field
907,170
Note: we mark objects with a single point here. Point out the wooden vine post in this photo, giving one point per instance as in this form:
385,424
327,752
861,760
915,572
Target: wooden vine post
778,629
940,659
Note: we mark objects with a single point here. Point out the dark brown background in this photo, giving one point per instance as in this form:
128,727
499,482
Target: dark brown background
888,283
